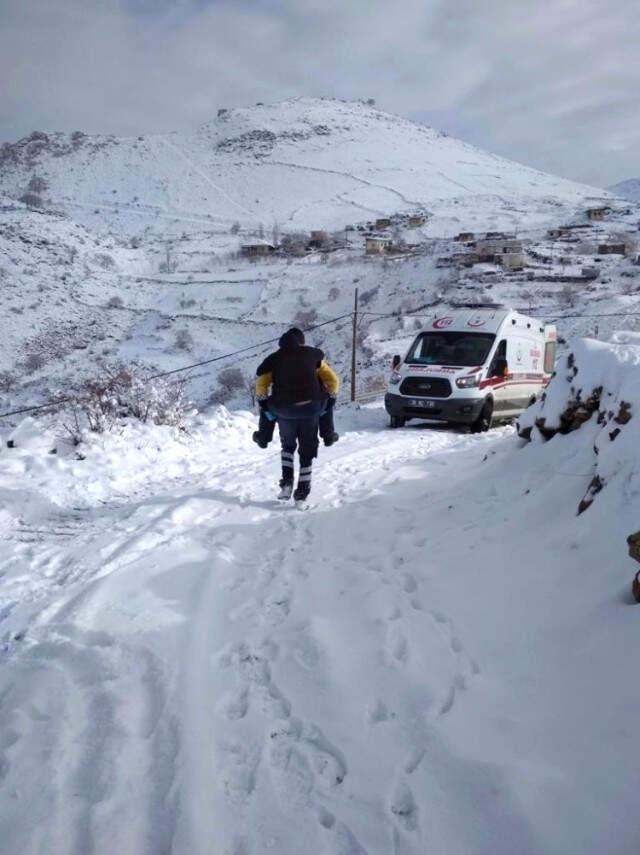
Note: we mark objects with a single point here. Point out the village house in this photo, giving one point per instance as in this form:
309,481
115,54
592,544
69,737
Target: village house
383,223
417,220
377,244
257,249
498,236
489,249
511,260
612,249
465,237
320,240
597,214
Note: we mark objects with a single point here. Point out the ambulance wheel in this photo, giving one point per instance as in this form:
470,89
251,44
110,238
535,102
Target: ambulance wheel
483,422
396,421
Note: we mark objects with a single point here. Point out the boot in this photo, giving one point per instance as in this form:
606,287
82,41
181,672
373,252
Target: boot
286,489
302,491
329,440
304,483
259,439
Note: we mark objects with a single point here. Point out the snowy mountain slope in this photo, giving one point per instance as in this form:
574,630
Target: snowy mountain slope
431,660
629,189
178,293
303,163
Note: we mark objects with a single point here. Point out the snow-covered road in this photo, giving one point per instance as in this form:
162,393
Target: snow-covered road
191,668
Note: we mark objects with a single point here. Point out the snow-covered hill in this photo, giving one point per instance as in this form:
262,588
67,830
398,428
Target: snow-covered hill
629,189
303,163
127,249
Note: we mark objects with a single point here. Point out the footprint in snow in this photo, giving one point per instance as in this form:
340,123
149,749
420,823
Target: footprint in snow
403,807
377,712
234,705
302,760
409,583
397,646
238,764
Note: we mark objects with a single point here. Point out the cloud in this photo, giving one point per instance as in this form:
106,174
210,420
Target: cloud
550,82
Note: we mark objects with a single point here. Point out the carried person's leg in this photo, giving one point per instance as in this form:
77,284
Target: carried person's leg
326,426
266,428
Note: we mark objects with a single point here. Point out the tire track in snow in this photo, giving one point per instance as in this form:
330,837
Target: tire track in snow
86,705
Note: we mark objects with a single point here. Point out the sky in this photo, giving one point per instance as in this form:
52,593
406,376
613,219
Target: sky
554,84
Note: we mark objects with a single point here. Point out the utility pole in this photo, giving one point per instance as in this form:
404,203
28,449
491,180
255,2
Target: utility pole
354,346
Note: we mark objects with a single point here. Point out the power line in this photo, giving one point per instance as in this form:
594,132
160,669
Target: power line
257,346
262,344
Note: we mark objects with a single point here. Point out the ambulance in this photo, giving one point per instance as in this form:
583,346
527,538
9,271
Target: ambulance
474,367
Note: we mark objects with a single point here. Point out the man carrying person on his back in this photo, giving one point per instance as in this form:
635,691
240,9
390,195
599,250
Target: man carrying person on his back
301,383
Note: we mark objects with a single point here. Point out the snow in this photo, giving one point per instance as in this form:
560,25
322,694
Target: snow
629,189
434,658
438,655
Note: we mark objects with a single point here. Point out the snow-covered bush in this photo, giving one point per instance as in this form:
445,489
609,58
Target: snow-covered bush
304,318
103,260
595,390
115,302
184,339
34,361
230,382
8,381
121,393
32,200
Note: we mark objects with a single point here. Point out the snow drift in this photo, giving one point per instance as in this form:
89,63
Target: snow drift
596,390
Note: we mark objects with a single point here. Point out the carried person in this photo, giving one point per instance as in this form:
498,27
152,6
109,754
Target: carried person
303,390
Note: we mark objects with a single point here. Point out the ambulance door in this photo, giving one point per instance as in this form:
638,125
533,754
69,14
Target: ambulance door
499,373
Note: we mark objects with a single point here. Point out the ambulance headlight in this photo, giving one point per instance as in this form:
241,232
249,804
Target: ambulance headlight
468,382
395,378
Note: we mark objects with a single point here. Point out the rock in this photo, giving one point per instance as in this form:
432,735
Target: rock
633,542
624,413
635,587
584,504
524,433
593,489
547,432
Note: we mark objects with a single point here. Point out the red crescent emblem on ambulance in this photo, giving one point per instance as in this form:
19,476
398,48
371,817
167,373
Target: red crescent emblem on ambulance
477,321
442,323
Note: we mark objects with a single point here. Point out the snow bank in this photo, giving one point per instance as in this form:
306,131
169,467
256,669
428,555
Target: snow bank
595,390
119,463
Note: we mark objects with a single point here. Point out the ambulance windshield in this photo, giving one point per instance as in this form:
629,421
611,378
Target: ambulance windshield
458,349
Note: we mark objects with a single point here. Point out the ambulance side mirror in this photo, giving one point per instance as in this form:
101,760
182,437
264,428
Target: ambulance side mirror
395,362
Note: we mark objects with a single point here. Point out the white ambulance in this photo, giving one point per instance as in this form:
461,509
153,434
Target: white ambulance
472,367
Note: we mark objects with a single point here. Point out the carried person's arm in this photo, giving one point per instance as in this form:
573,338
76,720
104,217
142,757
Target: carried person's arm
329,378
264,379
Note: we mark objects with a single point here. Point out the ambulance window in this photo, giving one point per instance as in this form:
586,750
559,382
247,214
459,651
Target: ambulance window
549,357
501,353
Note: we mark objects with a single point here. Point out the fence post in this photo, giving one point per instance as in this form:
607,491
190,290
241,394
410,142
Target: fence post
354,346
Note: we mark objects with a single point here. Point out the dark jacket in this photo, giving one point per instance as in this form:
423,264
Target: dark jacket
296,373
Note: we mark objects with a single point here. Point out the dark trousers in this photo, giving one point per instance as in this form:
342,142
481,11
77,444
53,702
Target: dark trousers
326,425
298,426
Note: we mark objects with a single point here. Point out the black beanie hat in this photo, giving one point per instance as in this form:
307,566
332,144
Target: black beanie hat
292,338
